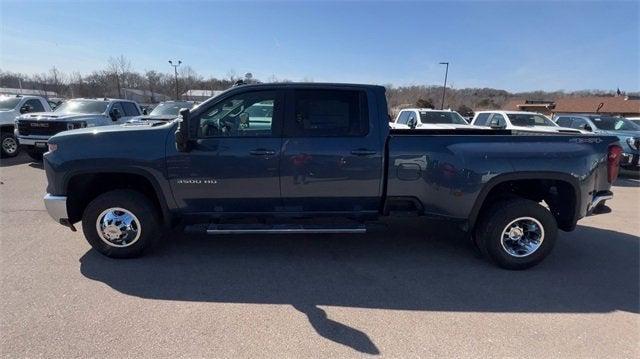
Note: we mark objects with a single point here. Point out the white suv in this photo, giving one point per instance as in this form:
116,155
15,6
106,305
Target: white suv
518,120
34,129
11,107
426,118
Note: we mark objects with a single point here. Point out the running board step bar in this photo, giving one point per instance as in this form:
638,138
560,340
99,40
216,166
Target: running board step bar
273,229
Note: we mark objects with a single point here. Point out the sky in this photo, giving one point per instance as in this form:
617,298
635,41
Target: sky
515,45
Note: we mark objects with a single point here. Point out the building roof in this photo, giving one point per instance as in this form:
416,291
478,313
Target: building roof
619,104
590,104
145,93
15,91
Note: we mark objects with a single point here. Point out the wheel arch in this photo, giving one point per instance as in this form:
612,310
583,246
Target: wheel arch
569,188
83,186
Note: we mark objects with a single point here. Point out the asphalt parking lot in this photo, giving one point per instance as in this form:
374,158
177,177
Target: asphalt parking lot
413,289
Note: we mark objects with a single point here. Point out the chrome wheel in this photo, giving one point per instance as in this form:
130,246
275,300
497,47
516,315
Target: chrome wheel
118,227
522,237
9,145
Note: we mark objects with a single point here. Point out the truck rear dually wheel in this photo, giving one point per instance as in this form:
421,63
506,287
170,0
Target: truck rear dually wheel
121,223
516,233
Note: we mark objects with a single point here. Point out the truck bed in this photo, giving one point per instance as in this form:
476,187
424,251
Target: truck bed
447,173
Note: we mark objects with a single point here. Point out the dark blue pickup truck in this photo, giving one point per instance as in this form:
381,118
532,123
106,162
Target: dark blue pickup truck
321,158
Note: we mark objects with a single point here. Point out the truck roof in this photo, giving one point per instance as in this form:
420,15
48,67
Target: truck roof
23,96
306,85
511,112
102,99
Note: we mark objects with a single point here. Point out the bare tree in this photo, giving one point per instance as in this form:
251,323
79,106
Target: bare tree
119,67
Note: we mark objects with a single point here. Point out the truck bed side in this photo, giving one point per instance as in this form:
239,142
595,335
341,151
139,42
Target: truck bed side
451,175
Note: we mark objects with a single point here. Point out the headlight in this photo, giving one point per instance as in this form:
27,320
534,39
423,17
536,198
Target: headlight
633,142
52,147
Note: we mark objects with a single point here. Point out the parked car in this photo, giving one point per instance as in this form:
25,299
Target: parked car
34,129
627,131
11,107
165,111
327,151
426,118
518,120
635,120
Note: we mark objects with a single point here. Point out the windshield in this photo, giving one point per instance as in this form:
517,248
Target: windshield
82,107
525,119
442,117
614,124
9,103
169,108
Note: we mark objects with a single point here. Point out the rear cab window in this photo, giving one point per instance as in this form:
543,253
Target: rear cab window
329,113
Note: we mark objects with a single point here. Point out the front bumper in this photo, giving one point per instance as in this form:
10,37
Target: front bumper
31,140
57,208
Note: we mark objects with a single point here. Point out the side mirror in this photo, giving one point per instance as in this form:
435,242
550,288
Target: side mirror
183,136
115,114
25,109
412,123
587,127
145,112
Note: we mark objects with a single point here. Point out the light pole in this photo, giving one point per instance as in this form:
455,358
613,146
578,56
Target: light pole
175,71
444,88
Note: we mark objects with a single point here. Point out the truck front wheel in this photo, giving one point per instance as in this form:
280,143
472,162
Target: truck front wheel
121,223
10,146
516,233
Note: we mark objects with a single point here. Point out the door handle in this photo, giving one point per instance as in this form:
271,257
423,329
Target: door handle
363,152
262,152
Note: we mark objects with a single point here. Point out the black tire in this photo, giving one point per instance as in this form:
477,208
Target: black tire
35,154
138,205
499,216
9,145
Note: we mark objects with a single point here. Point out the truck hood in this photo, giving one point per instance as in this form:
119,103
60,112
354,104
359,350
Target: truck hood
98,131
52,116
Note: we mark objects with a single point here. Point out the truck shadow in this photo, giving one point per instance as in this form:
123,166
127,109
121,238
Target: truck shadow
591,271
20,159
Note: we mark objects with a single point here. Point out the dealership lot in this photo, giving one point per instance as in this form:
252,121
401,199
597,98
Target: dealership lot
411,289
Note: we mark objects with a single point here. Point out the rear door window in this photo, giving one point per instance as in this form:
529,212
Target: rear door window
329,113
